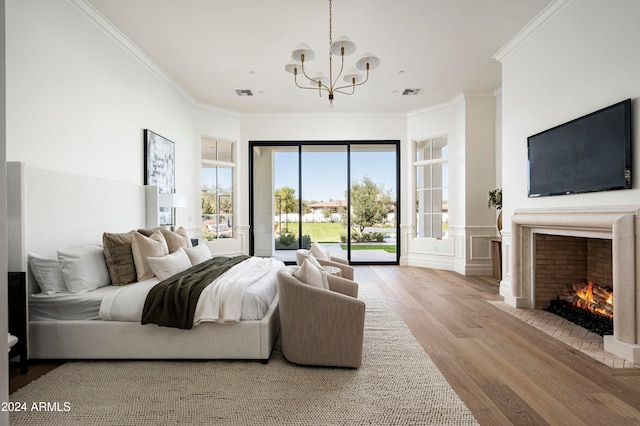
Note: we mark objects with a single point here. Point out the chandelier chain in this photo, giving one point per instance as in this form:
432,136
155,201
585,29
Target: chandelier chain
330,24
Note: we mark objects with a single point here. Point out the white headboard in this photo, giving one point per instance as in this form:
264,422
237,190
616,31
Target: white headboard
49,210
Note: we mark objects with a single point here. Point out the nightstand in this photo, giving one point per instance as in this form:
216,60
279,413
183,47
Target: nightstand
17,302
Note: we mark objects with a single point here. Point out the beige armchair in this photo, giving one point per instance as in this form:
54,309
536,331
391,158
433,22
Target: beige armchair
319,326
343,264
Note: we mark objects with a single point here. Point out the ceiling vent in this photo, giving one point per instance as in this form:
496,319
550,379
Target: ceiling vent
411,92
244,92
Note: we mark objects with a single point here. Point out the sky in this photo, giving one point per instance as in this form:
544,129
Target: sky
324,175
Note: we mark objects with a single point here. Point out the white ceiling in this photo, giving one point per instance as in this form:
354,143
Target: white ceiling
213,47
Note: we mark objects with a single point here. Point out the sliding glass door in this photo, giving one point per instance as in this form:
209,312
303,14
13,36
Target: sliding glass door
373,192
342,195
324,206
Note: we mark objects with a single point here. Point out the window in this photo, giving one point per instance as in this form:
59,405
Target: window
432,192
217,188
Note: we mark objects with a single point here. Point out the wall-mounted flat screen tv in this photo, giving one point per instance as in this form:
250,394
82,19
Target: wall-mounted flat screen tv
591,153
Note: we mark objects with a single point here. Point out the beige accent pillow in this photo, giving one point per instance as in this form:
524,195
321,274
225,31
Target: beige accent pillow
309,274
319,252
183,233
312,259
119,257
175,240
144,247
147,232
167,266
198,254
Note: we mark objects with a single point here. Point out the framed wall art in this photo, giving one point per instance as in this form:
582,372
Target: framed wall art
159,168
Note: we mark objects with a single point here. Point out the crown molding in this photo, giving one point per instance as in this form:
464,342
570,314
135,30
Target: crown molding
432,108
323,115
460,97
531,28
130,47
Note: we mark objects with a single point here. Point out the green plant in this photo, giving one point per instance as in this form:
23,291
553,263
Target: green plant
495,198
290,242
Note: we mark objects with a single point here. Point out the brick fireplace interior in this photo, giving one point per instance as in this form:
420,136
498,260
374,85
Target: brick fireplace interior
570,239
562,261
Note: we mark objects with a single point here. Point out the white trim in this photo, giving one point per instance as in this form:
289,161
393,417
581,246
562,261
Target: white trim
531,28
90,12
217,163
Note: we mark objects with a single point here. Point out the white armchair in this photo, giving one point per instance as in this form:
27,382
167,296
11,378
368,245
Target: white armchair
342,264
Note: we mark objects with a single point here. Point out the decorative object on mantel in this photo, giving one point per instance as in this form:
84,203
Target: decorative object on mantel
329,85
495,200
159,169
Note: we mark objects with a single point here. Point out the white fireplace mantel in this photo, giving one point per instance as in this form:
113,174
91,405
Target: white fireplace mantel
620,224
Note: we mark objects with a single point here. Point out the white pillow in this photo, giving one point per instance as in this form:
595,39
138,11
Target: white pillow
198,254
46,271
143,247
312,259
309,274
319,252
167,266
84,268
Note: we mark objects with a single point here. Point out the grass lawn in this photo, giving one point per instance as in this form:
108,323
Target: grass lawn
322,232
330,233
387,248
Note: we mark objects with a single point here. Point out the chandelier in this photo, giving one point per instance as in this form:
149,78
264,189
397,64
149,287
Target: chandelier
330,85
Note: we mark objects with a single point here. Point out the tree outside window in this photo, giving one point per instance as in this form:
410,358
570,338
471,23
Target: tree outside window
217,189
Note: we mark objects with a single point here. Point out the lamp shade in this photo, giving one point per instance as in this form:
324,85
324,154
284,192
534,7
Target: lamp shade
369,58
351,74
319,78
293,65
303,49
172,200
343,41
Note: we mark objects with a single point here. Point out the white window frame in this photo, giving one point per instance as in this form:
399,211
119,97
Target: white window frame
207,163
423,163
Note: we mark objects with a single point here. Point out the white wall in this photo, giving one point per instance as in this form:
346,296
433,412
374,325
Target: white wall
78,102
468,122
580,60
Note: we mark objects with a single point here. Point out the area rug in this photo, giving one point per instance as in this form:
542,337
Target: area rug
397,384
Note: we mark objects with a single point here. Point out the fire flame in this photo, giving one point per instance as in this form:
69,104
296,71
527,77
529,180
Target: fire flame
589,302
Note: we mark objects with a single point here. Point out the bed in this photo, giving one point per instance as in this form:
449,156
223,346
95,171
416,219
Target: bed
78,211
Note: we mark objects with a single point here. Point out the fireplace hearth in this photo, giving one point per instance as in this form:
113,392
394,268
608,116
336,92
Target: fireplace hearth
619,224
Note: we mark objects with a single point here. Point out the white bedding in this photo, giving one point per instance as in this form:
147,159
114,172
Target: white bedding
68,306
256,277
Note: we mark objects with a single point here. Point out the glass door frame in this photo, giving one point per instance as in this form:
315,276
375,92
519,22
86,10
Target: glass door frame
348,144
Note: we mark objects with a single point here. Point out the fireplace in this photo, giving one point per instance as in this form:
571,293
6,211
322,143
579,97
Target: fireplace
617,227
574,278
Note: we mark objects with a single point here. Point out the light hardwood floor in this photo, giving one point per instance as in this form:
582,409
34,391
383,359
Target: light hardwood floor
505,371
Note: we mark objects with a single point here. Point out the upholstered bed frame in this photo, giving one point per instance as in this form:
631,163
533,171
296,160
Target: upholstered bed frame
50,210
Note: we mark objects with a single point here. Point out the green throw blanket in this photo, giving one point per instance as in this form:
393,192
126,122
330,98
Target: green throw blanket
172,302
